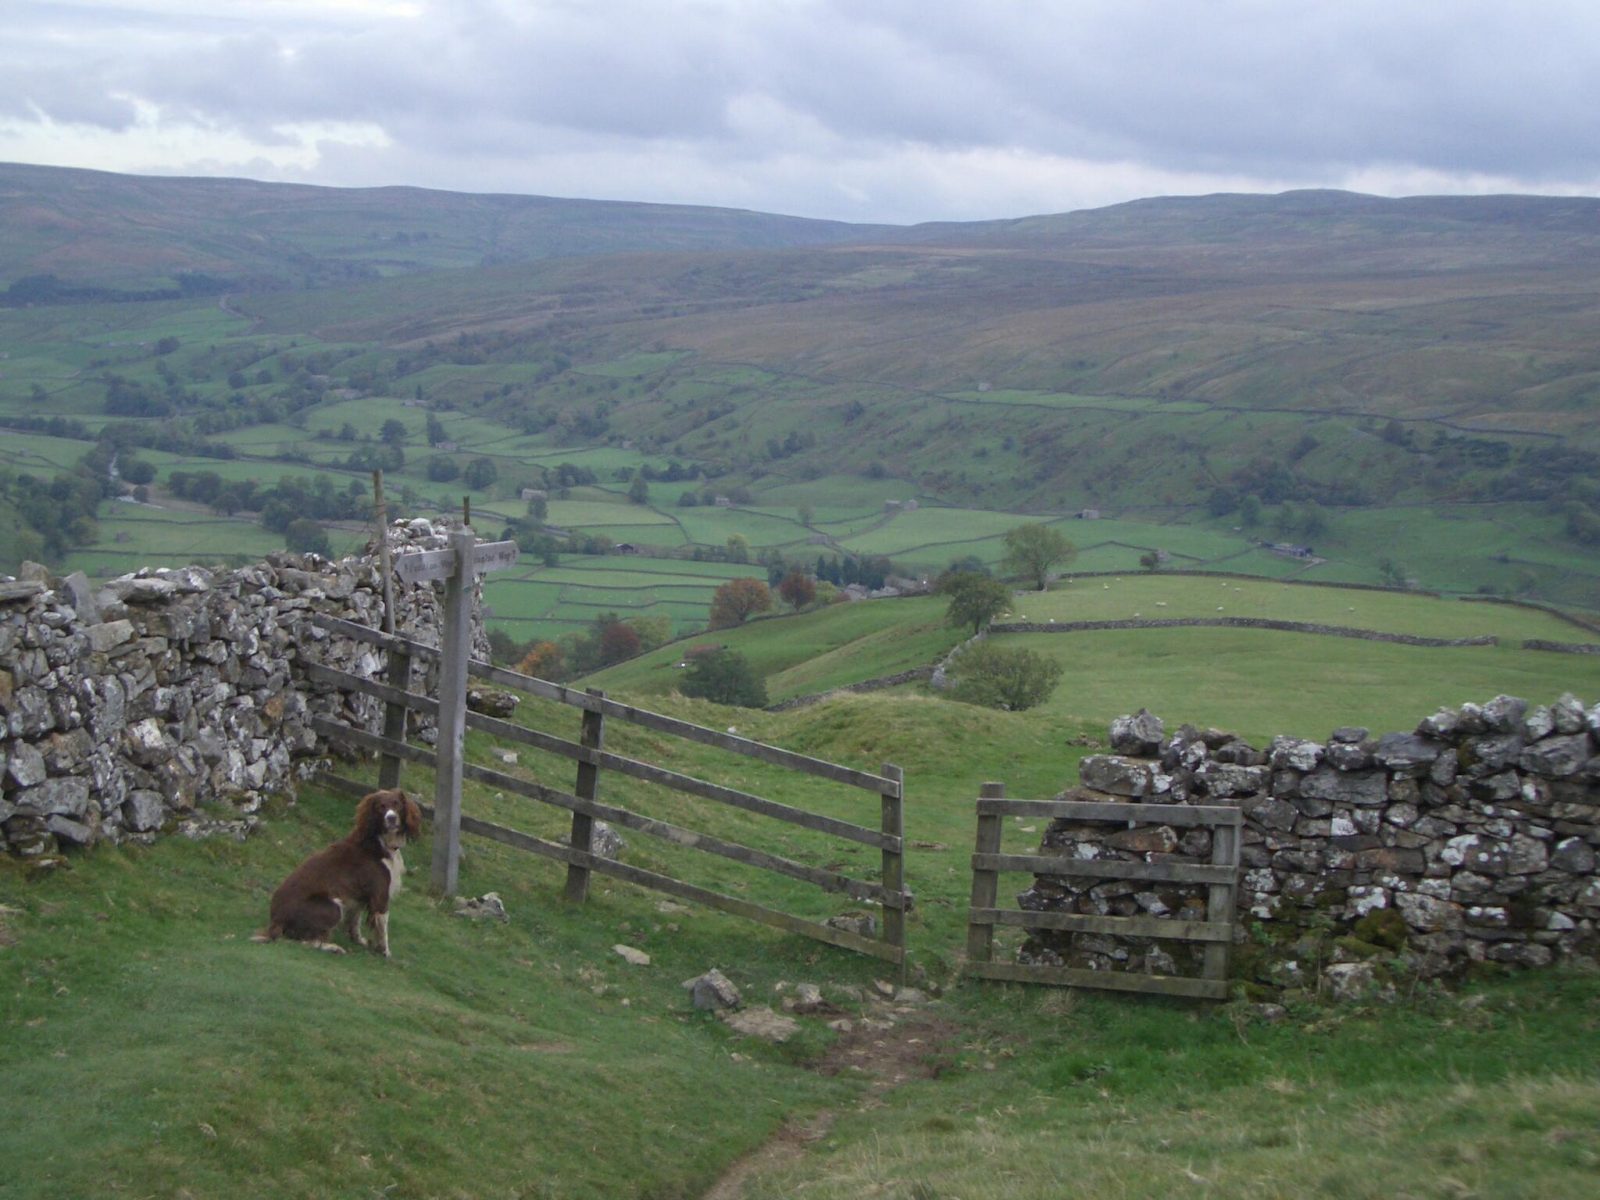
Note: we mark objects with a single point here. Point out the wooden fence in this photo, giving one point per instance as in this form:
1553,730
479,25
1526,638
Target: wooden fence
1215,932
583,801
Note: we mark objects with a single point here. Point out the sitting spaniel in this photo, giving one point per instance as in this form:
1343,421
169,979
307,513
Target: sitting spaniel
360,872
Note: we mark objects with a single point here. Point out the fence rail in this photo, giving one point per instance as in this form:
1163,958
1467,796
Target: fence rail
592,759
1214,934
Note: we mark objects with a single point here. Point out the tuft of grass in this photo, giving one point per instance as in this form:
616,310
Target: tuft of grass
1491,1094
151,1048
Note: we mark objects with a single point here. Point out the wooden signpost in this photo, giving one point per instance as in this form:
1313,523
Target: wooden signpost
456,568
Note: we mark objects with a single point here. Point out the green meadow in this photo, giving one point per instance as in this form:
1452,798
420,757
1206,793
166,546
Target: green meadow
212,1060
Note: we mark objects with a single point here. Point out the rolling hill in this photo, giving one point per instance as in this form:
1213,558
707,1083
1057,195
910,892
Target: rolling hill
1367,370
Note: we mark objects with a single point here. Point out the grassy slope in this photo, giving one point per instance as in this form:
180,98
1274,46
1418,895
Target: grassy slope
810,652
1255,681
1492,1094
528,1059
146,1041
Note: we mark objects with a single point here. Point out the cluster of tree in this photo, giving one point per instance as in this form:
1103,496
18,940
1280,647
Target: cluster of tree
841,572
673,472
533,541
569,475
735,550
791,445
1306,521
54,515
479,473
50,289
61,427
135,398
173,437
376,456
290,498
607,639
708,496
1271,481
1582,523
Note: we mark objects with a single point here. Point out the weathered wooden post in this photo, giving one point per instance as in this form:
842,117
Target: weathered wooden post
455,640
986,881
1221,898
593,737
894,864
456,567
399,672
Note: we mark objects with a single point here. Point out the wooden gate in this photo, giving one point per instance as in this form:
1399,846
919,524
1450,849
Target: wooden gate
583,802
1220,874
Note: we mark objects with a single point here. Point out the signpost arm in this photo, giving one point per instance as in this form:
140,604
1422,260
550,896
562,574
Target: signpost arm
456,645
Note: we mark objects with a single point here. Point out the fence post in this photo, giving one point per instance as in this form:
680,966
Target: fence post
985,883
399,673
593,737
894,863
1221,898
455,643
394,717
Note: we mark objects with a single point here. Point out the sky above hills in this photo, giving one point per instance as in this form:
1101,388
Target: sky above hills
861,110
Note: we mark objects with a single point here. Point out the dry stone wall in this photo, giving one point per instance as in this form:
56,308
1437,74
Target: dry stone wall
176,699
1471,839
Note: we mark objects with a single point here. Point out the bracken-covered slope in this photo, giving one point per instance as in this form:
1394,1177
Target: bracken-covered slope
1308,346
97,228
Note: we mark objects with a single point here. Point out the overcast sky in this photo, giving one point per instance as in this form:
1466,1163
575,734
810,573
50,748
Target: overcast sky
861,110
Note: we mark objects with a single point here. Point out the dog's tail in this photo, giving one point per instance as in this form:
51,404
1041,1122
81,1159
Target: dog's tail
270,934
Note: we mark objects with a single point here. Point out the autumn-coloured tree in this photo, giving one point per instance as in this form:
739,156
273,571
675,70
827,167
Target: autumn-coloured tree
735,601
797,589
615,639
543,660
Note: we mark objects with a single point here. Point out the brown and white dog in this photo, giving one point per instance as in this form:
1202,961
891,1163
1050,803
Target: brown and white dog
359,872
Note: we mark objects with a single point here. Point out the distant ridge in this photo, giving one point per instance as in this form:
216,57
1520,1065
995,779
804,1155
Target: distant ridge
97,227
137,232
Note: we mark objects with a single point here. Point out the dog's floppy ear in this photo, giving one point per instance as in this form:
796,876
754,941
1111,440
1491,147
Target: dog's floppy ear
413,816
367,819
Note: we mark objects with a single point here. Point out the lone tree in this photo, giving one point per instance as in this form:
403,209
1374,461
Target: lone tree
997,677
974,599
480,473
1034,551
305,536
726,677
737,600
797,589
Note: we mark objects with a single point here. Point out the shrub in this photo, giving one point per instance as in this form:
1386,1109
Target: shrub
726,677
997,677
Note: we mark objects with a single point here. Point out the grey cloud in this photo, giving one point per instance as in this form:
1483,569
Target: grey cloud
1306,92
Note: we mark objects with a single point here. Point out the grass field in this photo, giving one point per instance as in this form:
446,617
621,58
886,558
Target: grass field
811,652
1256,682
146,1040
1260,683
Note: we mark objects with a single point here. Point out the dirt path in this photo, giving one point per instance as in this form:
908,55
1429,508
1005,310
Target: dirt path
886,1052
